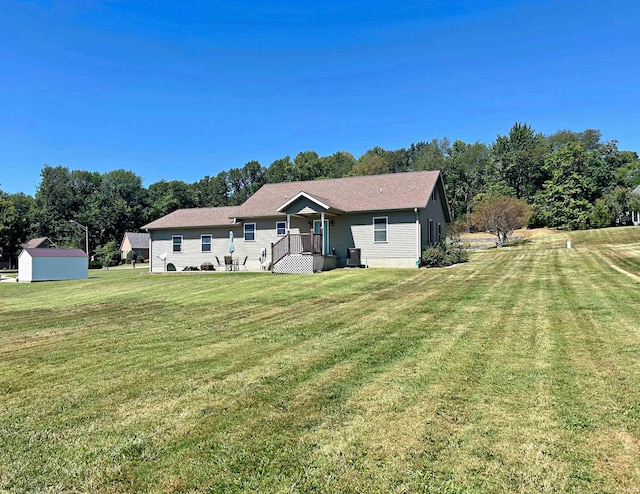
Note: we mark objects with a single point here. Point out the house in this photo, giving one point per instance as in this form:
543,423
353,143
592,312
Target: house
10,261
39,243
375,221
45,264
137,242
635,215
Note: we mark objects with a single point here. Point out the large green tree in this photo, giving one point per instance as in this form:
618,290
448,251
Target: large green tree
465,174
281,170
519,159
337,165
566,199
54,205
7,220
167,196
211,191
430,155
118,205
15,224
244,182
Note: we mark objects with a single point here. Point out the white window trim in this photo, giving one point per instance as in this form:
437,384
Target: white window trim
210,243
386,229
173,243
244,232
284,228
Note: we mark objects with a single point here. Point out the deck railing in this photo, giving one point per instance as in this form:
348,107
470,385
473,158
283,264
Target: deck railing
296,243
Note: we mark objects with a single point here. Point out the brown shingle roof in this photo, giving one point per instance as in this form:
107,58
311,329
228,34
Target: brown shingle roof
35,243
350,194
184,218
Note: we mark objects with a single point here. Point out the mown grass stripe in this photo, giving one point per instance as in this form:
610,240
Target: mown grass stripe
515,372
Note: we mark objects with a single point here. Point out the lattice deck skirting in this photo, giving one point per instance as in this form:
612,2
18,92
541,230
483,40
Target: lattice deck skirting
299,264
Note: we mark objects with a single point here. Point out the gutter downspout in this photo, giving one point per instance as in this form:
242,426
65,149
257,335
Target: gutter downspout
150,254
418,238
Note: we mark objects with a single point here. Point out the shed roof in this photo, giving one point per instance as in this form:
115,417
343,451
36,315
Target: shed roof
636,190
137,240
55,252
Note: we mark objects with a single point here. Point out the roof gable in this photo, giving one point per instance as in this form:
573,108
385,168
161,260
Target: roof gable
318,201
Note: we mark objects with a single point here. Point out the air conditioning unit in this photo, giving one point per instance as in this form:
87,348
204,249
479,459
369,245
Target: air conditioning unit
353,258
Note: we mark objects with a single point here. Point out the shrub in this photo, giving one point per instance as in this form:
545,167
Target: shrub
95,265
443,254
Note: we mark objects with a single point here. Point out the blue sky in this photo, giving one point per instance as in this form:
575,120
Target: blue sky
180,90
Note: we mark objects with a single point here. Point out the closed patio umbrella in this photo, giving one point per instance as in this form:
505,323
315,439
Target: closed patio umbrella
232,249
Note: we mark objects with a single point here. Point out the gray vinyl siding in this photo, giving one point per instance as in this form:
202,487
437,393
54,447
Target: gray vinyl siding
347,231
356,230
434,211
303,205
192,254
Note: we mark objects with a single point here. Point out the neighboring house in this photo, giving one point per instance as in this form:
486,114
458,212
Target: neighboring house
311,226
10,261
635,215
137,242
39,243
44,264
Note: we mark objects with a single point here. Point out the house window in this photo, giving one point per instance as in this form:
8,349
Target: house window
434,194
177,243
281,228
249,232
205,240
430,231
439,232
380,229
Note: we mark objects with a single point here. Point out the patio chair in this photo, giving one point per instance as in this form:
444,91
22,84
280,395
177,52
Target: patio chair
244,263
218,262
228,263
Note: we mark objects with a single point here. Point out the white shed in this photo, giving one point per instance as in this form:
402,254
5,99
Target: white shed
52,265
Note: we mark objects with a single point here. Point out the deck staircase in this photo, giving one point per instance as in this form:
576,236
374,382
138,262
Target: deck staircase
297,253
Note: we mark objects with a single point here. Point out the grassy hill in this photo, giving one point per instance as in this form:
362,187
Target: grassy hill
516,372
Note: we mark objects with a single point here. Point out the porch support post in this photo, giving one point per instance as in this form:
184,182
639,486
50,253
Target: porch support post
288,222
322,230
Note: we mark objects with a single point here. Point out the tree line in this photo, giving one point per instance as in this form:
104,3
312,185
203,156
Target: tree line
569,179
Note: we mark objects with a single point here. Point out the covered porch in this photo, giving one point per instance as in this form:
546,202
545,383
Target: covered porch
305,252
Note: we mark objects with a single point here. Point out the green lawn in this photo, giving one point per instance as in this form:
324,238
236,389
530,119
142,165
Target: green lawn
516,372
